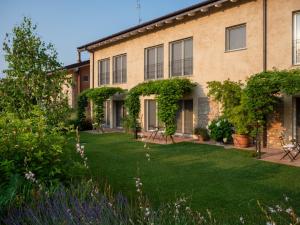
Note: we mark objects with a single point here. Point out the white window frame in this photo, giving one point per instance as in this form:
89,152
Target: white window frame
99,71
295,15
182,41
122,75
227,37
155,62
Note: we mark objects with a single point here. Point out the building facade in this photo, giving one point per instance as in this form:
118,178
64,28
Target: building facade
212,40
79,73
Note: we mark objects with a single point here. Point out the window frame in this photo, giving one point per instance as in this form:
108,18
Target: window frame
122,69
155,62
182,41
227,37
294,39
99,72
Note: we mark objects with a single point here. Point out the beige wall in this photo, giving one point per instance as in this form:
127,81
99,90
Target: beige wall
210,61
280,47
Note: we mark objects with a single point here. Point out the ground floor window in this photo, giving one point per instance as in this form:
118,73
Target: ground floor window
119,113
151,119
185,117
106,111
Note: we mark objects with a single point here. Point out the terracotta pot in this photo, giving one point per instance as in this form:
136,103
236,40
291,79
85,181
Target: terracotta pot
240,141
200,138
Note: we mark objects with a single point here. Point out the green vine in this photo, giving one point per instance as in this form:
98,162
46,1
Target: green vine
98,96
82,103
168,93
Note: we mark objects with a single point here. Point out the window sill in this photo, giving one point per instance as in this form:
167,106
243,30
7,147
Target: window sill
160,78
190,75
119,83
235,50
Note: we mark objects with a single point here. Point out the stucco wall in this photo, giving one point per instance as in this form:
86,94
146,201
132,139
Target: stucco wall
210,61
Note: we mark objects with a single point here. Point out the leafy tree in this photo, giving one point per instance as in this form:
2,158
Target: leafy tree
34,75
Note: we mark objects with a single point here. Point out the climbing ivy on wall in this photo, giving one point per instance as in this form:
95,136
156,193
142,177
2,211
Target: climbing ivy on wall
98,96
168,93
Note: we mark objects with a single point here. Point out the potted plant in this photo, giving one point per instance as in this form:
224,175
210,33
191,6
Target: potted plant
202,134
241,120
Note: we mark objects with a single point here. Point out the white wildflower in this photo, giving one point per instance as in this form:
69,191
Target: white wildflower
242,220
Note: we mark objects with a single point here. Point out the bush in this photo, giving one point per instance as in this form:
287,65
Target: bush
31,149
221,130
203,132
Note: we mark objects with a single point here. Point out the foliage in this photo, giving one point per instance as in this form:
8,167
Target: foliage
82,103
98,96
29,146
221,130
230,94
34,75
203,132
168,93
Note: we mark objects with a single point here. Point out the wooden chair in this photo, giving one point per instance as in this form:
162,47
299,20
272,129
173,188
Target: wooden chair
287,149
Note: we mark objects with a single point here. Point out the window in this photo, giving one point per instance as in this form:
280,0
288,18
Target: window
86,78
151,115
236,37
120,69
104,71
154,62
296,42
181,57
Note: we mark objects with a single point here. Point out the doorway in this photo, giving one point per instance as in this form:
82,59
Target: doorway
119,113
184,118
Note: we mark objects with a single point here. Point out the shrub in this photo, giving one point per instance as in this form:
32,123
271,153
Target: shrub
221,130
30,148
203,132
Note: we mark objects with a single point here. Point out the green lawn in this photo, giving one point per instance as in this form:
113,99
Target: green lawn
224,181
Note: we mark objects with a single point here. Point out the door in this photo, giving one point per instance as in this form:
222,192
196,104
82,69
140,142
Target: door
298,119
188,117
184,117
119,113
151,118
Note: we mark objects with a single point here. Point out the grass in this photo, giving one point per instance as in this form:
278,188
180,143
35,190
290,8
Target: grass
224,181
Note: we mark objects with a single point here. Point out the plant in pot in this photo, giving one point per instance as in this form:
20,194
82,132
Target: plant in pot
241,118
202,134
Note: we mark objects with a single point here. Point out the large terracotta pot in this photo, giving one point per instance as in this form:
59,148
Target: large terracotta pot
240,141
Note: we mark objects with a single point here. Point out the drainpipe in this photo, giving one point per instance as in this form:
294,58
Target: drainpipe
259,139
265,40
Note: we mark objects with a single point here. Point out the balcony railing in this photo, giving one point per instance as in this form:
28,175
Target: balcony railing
120,76
181,67
104,78
154,71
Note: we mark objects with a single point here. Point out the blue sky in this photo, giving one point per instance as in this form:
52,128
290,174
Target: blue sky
71,23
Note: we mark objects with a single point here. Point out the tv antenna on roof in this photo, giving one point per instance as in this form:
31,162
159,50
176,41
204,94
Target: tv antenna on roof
138,7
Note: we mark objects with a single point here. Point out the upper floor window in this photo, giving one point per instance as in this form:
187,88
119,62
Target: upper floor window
86,78
181,57
154,62
236,37
296,44
120,69
104,71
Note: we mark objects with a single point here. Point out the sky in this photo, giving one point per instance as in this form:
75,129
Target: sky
69,24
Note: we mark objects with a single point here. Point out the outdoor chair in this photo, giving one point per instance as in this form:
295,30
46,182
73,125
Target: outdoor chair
296,150
287,149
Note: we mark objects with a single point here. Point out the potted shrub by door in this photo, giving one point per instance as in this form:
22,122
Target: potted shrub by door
241,121
202,134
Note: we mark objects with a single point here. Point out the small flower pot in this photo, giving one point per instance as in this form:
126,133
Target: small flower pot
240,141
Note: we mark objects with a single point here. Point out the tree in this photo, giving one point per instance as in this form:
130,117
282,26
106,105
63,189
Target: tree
34,75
